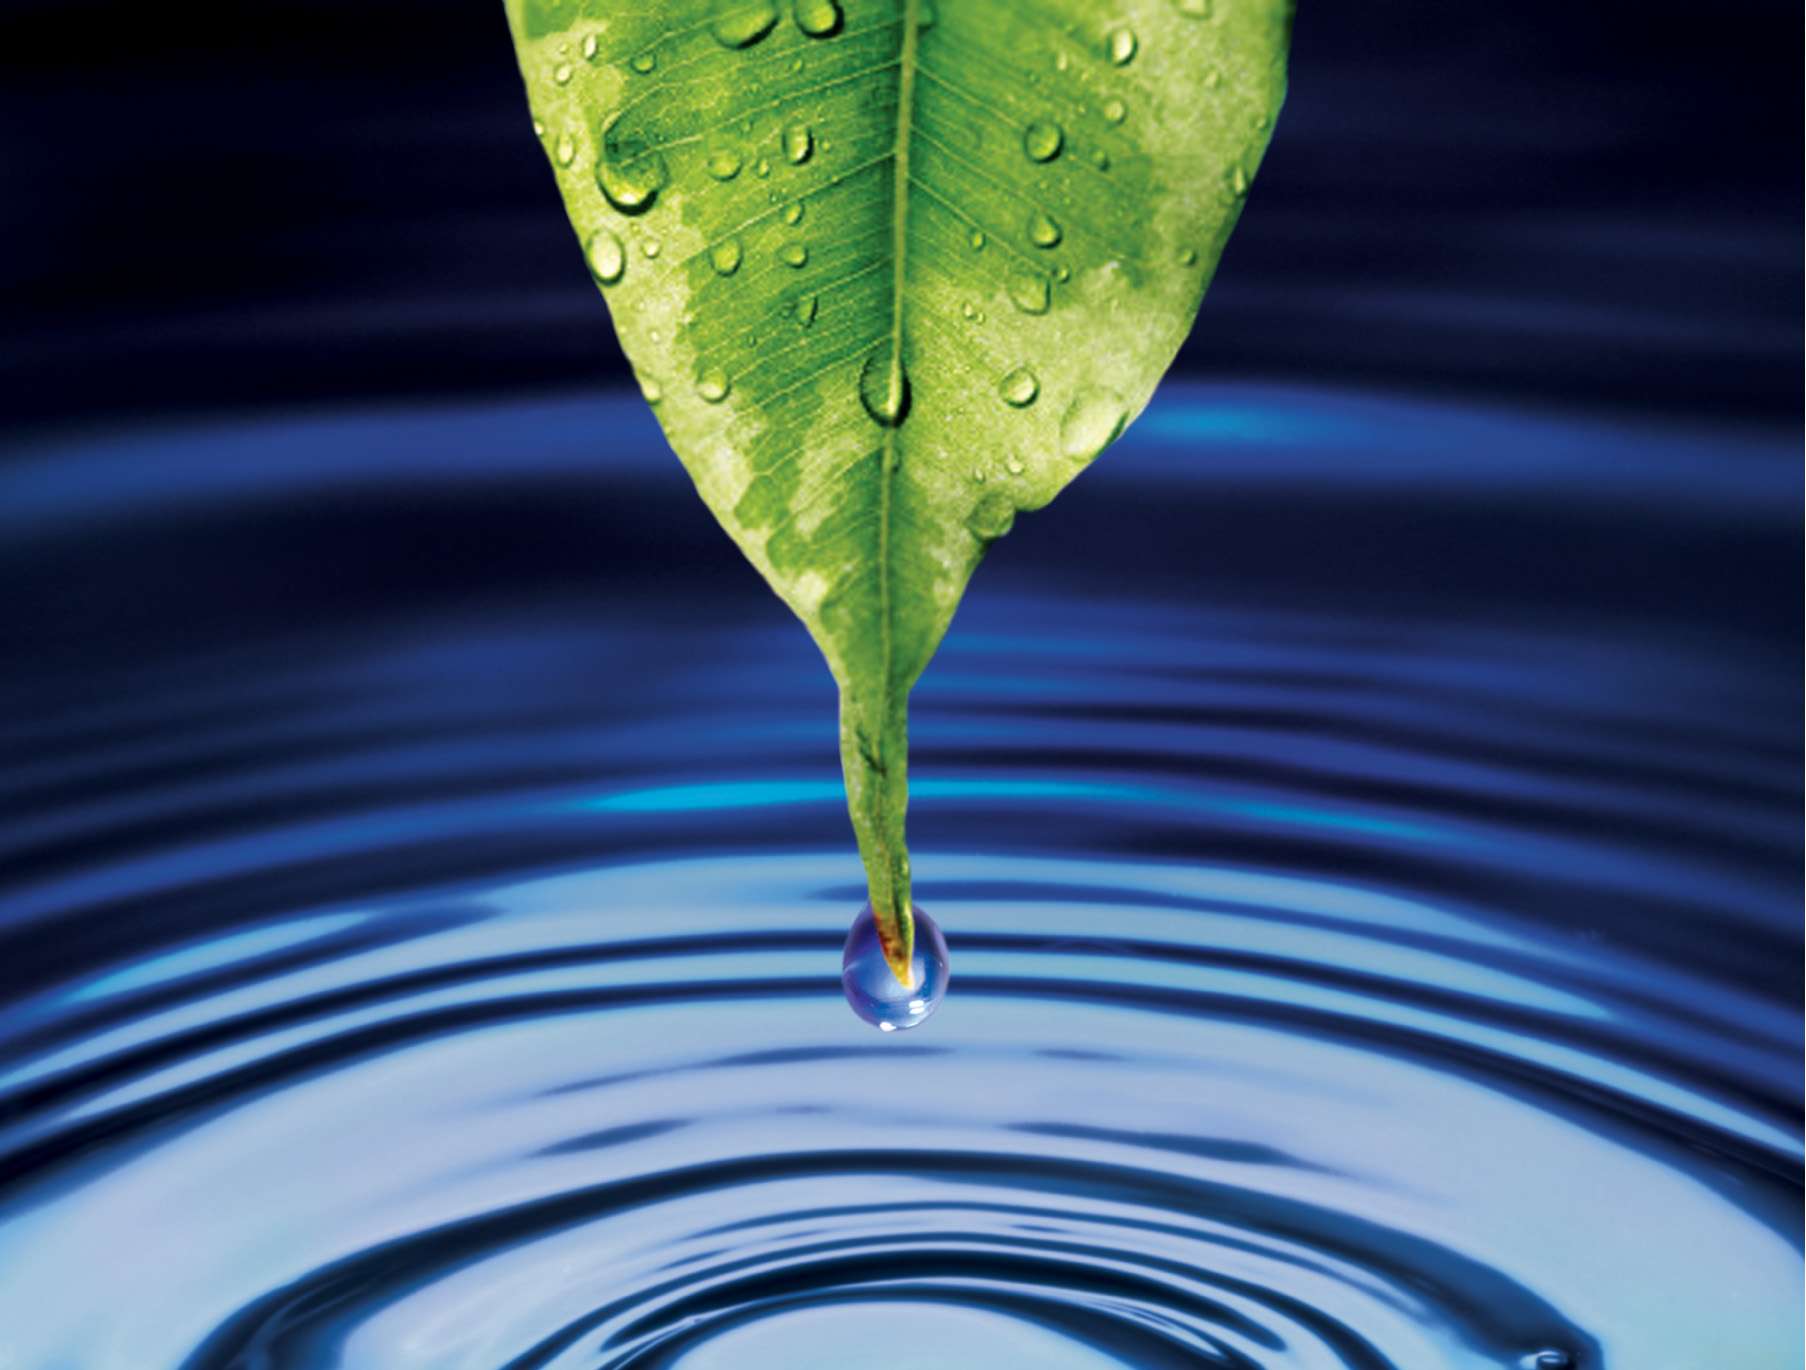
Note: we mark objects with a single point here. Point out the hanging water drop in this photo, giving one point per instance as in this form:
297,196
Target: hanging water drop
817,18
726,256
713,385
884,388
1019,388
607,258
1042,140
799,142
740,25
873,990
1120,46
1042,230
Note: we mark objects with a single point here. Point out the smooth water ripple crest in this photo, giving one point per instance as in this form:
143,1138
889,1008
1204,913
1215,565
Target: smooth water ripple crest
423,881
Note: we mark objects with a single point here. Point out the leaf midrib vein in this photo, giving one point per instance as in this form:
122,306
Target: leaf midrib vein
894,382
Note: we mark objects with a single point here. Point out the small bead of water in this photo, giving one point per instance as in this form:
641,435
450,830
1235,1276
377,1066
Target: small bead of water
876,994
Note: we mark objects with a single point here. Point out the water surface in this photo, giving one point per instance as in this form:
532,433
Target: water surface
1366,829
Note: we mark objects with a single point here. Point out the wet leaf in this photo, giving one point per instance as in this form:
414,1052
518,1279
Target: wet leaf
895,270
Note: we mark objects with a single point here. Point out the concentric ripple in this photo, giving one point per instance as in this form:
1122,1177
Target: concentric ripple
421,903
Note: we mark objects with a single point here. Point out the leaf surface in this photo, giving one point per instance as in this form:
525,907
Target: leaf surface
892,271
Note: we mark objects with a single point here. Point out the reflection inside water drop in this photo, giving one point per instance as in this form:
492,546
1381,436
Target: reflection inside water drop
875,993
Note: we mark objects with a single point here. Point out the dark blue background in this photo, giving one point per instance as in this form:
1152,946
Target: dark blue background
209,207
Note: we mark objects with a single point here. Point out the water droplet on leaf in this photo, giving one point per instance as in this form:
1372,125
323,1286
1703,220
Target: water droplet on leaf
628,178
872,988
1115,110
817,18
726,256
1029,293
713,385
1193,9
1019,388
562,73
793,213
644,63
590,47
884,388
723,163
794,255
1092,423
565,150
1120,46
741,23
1043,231
977,239
650,391
607,258
806,309
1042,140
799,142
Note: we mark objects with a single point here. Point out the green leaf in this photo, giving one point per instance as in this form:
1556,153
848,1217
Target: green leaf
892,271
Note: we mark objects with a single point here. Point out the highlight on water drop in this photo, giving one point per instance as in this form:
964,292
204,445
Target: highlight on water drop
873,990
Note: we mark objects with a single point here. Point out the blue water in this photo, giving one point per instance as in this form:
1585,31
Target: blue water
1366,830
